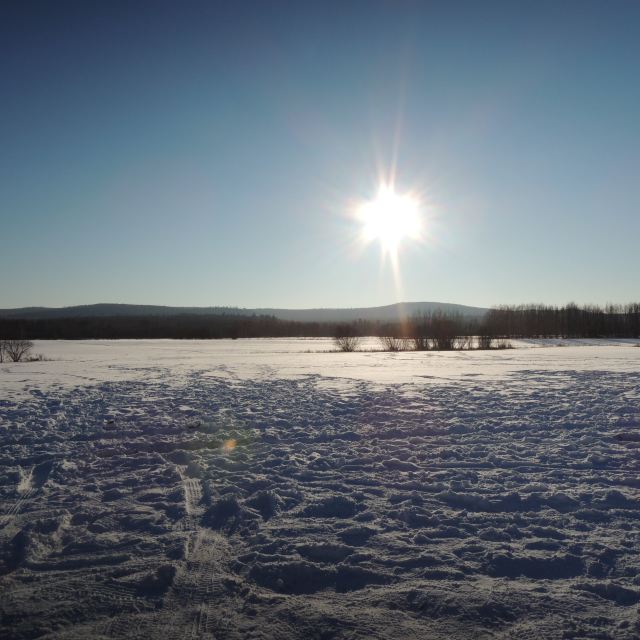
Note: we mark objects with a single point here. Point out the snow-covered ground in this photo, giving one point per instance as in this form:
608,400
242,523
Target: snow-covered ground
274,489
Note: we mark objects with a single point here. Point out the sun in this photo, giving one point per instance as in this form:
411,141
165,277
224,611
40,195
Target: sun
390,218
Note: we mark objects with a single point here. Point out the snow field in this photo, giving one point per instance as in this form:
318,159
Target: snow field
238,490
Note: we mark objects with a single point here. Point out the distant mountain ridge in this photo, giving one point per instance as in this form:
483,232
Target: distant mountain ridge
387,313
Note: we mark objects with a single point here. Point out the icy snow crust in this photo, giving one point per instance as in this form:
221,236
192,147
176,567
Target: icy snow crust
271,489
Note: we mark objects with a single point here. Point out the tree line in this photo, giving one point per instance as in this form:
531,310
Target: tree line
569,321
152,327
437,330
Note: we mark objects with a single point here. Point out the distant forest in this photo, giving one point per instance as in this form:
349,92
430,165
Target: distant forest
525,321
570,321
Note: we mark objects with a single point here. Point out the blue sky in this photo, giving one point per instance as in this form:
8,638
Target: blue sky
210,153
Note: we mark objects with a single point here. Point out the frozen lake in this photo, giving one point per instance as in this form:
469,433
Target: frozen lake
276,489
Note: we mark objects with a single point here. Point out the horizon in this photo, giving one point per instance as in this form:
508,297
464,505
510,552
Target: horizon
219,306
328,308
296,156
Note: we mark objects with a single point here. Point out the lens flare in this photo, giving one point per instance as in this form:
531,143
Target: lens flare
229,445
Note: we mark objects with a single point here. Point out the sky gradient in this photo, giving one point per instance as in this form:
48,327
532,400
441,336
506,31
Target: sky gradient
209,153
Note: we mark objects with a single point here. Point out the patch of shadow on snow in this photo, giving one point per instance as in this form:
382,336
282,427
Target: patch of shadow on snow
537,567
432,605
324,552
13,554
357,536
227,513
221,512
332,507
301,577
352,578
611,591
158,582
297,577
266,503
399,465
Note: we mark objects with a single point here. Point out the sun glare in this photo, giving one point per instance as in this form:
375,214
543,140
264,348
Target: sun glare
390,218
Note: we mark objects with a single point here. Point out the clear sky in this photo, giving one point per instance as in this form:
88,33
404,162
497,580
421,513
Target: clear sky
209,153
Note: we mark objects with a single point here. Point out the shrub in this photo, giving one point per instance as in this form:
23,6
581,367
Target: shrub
15,350
391,343
463,343
345,338
420,343
444,329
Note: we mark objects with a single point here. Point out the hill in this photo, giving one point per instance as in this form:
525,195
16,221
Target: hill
387,313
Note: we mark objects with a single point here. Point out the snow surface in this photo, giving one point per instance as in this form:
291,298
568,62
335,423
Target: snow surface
274,489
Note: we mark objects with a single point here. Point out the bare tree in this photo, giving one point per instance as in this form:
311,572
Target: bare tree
444,329
419,331
17,350
347,343
391,343
346,338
